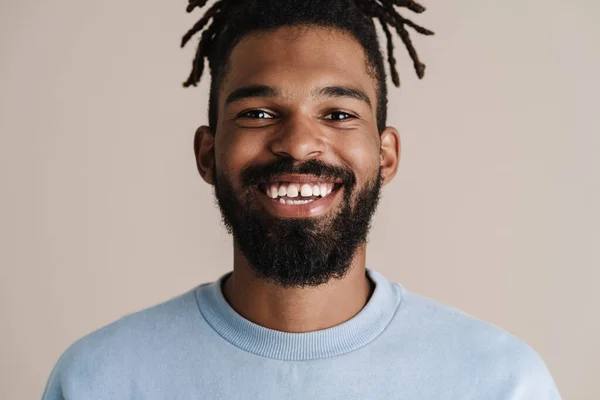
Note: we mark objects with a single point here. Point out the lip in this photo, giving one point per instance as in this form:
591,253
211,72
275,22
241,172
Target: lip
313,209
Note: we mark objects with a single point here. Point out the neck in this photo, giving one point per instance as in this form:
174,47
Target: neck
297,309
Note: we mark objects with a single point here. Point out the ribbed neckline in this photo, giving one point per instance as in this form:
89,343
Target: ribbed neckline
358,331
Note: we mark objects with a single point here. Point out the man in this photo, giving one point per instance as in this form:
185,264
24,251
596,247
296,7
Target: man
297,150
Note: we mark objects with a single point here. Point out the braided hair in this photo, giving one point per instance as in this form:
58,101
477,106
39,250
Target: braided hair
225,23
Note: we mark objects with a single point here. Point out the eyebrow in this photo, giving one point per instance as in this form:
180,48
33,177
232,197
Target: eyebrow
254,91
343,91
248,92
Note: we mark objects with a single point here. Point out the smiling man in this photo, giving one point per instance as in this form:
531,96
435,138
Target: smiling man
297,149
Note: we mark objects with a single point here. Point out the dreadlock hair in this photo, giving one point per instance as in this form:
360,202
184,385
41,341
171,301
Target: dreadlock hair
231,20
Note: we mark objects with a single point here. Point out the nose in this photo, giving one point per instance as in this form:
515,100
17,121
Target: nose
299,139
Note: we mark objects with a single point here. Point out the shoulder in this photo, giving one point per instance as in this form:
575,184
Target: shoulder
142,326
116,350
498,361
434,319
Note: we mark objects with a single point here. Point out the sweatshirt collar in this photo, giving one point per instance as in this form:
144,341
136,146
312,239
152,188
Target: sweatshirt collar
358,331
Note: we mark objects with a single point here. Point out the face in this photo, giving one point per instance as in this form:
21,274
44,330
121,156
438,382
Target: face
297,161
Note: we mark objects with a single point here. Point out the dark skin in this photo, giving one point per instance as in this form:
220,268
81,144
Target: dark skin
298,119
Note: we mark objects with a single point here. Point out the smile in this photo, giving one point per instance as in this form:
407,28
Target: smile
298,195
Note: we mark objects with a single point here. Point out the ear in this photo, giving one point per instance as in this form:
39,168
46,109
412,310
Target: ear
204,145
389,154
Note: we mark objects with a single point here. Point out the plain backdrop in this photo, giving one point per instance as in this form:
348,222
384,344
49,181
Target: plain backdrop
495,210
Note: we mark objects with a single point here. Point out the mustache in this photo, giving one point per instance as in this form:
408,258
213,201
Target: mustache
255,174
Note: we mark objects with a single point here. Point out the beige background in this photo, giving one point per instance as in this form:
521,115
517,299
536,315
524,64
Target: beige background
495,209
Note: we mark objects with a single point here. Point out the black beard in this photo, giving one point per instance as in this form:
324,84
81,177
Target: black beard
297,252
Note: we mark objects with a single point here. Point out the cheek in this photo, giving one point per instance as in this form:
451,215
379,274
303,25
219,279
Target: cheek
235,151
231,148
361,152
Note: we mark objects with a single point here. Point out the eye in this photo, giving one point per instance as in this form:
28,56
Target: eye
339,116
256,114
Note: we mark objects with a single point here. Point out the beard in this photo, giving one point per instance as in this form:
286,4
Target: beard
297,252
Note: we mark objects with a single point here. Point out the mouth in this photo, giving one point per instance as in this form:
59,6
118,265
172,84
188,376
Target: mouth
297,196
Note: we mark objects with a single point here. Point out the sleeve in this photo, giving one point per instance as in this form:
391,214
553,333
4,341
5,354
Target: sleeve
53,390
516,372
536,382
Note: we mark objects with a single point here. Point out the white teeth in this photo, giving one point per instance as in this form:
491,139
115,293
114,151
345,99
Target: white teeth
282,201
306,190
323,189
292,190
295,202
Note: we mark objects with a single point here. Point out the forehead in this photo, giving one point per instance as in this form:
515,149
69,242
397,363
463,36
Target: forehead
296,59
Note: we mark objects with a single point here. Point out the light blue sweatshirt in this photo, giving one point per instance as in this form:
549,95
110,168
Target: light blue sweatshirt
399,346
